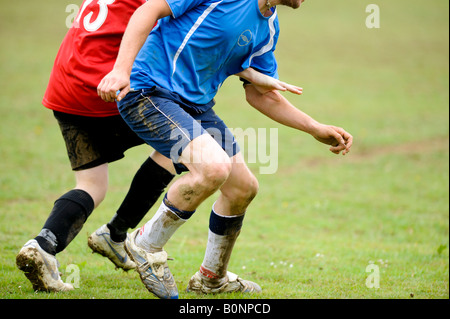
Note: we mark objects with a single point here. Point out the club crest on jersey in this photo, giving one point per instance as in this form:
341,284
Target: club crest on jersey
245,38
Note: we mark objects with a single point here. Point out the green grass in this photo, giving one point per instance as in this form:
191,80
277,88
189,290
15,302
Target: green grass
321,219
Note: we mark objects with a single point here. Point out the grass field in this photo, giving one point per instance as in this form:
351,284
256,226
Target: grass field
320,220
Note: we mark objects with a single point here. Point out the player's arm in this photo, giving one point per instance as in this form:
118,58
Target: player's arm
137,31
264,83
279,109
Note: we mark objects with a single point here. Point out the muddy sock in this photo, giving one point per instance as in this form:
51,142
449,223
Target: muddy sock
223,232
66,219
157,232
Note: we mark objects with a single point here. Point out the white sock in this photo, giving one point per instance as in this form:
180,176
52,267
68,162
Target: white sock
217,255
223,232
157,231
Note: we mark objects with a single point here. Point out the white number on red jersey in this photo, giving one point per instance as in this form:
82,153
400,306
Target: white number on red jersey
102,14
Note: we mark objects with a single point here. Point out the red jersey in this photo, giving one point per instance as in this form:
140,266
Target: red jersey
86,55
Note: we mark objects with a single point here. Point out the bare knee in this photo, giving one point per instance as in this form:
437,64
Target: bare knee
213,175
200,184
209,167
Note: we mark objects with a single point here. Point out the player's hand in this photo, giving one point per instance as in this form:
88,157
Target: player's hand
265,84
337,137
112,83
270,84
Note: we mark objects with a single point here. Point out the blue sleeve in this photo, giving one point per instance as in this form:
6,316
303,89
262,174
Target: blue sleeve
179,7
266,64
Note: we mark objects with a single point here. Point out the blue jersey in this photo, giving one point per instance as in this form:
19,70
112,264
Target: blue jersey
192,52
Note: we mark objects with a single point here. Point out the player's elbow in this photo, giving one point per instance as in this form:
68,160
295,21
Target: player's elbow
261,100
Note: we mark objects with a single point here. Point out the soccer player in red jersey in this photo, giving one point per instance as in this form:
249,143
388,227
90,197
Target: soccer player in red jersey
95,135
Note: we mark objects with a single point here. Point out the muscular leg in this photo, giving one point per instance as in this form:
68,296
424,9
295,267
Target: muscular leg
209,167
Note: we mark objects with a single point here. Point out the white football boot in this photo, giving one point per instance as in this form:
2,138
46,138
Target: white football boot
41,268
232,283
153,269
100,242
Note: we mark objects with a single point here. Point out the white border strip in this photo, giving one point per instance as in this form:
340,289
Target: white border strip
269,45
191,31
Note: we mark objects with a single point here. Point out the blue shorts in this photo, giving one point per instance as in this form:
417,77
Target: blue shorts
168,123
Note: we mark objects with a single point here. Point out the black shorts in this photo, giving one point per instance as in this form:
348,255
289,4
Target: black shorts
93,141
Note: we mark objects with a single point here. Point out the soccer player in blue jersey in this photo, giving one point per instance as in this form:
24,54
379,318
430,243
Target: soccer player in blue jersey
167,82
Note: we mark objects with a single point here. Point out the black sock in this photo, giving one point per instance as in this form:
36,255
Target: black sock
68,216
147,186
118,228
